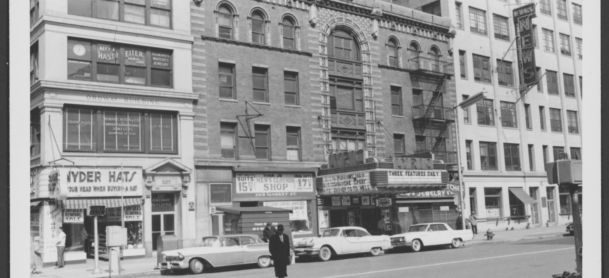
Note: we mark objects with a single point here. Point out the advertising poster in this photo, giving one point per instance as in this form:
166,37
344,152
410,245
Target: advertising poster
73,216
299,208
133,213
351,182
335,201
323,219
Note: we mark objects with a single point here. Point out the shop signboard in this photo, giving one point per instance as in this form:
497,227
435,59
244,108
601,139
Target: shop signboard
346,182
299,208
220,193
335,201
403,209
73,216
133,213
383,202
272,186
346,201
96,182
365,200
414,177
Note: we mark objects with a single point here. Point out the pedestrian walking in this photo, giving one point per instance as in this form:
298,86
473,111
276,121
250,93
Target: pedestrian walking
61,245
268,231
279,246
473,221
36,256
459,224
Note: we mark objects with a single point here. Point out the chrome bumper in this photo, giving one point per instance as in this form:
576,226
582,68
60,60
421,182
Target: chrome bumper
306,252
173,265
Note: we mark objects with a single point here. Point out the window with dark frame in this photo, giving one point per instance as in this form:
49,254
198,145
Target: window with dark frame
488,156
346,95
262,142
565,45
459,15
569,84
290,83
35,133
396,101
552,79
227,81
577,14
392,52
228,140
531,158
576,153
466,114
293,143
561,9
462,64
399,145
539,81
482,68
145,12
504,70
546,7
545,154
225,22
548,40
34,11
501,27
572,122
542,117
511,153
420,144
578,43
288,33
555,120
34,70
527,115
341,45
260,84
484,109
258,28
477,21
508,114
492,201
468,154
559,153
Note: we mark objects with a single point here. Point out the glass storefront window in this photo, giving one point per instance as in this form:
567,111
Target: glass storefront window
300,219
75,240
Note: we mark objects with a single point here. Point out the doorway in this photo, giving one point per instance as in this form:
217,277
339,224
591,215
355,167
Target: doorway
163,216
551,204
534,192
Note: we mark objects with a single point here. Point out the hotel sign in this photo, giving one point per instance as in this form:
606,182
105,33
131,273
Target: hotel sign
525,43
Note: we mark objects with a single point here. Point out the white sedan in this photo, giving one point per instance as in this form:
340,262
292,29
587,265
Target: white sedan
339,241
430,234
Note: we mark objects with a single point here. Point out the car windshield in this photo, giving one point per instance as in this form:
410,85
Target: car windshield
210,242
417,228
330,232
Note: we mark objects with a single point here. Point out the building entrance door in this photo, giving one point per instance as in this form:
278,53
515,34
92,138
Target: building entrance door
533,191
551,205
163,216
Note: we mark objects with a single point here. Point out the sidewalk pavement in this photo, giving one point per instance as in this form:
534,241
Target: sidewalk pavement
145,266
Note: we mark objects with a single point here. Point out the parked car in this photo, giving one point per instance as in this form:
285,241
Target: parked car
430,234
218,251
569,228
339,241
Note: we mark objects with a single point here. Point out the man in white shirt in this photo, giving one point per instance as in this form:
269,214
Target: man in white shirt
61,245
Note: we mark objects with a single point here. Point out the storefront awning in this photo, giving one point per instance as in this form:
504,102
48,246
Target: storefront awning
523,196
240,210
35,203
108,203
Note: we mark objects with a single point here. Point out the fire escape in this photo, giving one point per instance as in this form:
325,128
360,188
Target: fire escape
431,120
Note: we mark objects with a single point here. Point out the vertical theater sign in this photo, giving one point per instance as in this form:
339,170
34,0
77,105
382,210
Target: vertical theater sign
523,19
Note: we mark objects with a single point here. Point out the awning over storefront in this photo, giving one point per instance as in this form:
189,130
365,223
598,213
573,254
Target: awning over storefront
240,210
523,196
35,203
108,203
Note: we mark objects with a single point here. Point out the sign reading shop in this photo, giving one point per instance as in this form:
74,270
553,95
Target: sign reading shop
83,182
273,185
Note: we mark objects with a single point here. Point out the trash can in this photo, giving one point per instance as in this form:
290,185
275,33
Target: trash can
166,243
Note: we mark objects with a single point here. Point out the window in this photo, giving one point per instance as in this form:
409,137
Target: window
542,117
34,63
559,153
565,45
555,120
263,142
576,153
545,7
260,84
535,36
293,143
462,64
346,95
343,140
290,83
466,115
420,144
565,200
504,70
35,133
512,157
119,130
399,147
34,11
485,112
539,83
492,200
468,154
227,81
501,27
396,101
531,158
459,15
482,68
561,8
228,140
572,122
577,14
413,55
548,40
488,156
288,33
258,28
147,12
392,53
508,114
527,115
472,201
578,43
477,21
552,78
225,22
102,62
569,85
581,86
545,154
341,45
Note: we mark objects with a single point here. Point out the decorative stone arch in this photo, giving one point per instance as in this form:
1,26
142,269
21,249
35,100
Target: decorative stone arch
434,46
233,9
297,30
366,58
414,64
398,46
267,24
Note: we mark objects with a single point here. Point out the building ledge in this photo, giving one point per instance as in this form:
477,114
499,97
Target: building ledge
254,45
251,164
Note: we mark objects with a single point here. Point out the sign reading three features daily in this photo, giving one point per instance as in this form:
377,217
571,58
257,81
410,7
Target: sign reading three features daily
273,185
414,176
90,182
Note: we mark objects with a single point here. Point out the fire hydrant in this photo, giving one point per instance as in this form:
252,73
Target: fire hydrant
489,235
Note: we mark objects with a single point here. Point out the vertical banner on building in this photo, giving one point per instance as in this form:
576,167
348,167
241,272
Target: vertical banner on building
523,20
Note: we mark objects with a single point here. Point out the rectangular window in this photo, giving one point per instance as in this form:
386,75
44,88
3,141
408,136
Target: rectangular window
398,145
501,27
552,78
162,135
508,114
260,84
420,144
565,45
468,154
482,68
34,11
555,120
539,82
527,115
122,131
396,101
542,117
35,133
512,157
293,143
145,12
346,95
545,7
466,115
548,40
228,140
577,14
565,201
227,81
545,154
504,70
576,153
459,15
559,153
472,201
263,142
462,64
569,85
485,112
79,128
290,83
572,122
33,63
492,200
477,21
535,36
531,158
561,9
578,41
488,156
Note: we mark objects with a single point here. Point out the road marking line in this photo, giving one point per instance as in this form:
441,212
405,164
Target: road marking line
455,262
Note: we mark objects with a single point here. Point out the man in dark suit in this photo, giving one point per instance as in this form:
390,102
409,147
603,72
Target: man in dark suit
268,231
279,246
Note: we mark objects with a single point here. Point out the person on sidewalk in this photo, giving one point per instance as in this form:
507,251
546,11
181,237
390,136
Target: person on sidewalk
36,256
381,226
473,221
61,245
279,246
268,231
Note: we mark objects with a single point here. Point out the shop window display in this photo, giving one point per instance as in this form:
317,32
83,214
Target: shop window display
492,199
300,218
425,213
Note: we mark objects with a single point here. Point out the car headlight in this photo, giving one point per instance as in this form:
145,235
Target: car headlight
310,242
180,256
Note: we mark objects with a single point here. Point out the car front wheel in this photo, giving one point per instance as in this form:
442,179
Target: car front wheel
456,243
264,261
416,245
196,266
375,251
325,253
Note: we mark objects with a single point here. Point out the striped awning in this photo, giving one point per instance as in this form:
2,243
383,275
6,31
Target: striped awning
107,202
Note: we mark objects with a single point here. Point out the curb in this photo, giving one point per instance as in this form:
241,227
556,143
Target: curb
138,274
513,240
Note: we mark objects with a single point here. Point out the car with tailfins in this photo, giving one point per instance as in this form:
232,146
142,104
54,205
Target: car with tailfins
430,234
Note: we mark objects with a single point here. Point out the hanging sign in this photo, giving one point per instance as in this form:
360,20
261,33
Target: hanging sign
73,216
525,43
383,202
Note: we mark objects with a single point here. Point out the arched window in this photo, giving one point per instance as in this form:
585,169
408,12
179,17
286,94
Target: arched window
258,28
288,33
392,52
341,45
413,55
435,59
225,22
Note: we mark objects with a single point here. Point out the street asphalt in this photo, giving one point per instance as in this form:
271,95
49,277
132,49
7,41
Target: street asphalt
530,258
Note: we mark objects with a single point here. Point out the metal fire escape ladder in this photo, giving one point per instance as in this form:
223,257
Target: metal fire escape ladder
436,95
247,127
